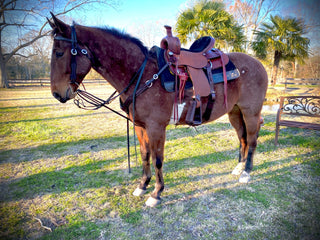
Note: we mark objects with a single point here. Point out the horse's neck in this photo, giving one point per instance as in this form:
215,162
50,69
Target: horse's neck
118,59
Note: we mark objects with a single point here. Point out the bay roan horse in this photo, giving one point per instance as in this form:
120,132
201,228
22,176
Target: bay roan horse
118,56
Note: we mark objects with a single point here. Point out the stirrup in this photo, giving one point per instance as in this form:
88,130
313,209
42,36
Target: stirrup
194,114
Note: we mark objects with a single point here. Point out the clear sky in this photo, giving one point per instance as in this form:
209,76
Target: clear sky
145,18
134,12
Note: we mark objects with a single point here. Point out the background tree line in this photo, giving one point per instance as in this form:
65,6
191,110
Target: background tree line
251,26
23,24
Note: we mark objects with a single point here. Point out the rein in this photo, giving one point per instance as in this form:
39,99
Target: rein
88,101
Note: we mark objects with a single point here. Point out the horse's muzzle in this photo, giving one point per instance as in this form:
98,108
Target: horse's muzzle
69,95
59,98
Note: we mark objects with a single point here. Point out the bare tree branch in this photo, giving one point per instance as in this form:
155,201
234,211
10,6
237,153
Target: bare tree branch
21,22
15,50
21,55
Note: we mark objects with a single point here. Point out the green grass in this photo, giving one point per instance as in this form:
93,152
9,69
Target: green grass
68,168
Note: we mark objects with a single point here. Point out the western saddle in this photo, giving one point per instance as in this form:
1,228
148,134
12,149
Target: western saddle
193,63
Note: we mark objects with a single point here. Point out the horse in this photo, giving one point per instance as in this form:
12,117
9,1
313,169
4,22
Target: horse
118,57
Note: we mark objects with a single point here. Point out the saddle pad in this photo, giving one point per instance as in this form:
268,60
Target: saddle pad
231,71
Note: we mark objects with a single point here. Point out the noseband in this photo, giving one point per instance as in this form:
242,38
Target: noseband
74,52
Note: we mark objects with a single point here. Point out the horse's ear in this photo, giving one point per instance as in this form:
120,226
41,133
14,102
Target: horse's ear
58,24
51,24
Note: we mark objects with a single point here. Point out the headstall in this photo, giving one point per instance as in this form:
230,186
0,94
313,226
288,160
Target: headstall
74,52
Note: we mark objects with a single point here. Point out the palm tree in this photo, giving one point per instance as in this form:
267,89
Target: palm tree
282,36
208,18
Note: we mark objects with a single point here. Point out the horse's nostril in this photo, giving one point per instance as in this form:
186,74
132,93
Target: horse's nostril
58,97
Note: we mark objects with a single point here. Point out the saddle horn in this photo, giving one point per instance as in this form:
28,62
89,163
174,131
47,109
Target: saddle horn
169,42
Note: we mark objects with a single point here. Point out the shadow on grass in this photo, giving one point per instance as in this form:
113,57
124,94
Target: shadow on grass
89,145
92,175
298,136
24,99
181,131
55,118
275,187
78,178
6,109
50,150
69,179
274,174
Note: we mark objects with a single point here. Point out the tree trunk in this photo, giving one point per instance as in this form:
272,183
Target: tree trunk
295,68
3,74
276,61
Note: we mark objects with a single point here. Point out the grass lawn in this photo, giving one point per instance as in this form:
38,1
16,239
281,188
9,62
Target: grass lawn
63,175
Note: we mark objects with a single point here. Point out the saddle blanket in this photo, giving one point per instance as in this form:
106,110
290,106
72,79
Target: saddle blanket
168,78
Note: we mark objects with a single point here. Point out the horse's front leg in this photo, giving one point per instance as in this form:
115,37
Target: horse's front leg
145,157
157,135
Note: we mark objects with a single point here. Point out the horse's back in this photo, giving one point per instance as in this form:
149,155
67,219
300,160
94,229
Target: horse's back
250,68
252,83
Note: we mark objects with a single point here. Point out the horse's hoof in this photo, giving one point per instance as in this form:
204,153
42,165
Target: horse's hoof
139,192
245,177
152,202
238,169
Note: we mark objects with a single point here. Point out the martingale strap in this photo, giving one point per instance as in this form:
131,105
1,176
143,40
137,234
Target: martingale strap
138,91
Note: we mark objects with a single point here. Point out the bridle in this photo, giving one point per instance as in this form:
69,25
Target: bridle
74,52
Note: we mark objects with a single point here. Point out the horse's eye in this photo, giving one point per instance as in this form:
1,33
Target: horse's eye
59,54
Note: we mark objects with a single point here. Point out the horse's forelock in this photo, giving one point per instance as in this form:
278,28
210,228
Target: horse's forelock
54,32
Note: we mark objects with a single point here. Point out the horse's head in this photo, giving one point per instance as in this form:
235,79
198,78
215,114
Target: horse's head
70,60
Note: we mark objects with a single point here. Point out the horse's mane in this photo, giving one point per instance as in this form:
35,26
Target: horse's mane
117,33
123,35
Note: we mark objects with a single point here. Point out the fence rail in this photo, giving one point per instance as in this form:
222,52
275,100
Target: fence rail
290,82
44,82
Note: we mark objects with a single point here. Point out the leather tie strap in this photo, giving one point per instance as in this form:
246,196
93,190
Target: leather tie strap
224,80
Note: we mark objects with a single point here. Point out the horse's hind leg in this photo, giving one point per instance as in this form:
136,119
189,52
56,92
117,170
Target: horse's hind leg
236,120
145,156
252,122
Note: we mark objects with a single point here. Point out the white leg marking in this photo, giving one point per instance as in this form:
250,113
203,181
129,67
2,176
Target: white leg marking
245,177
139,192
152,202
238,169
